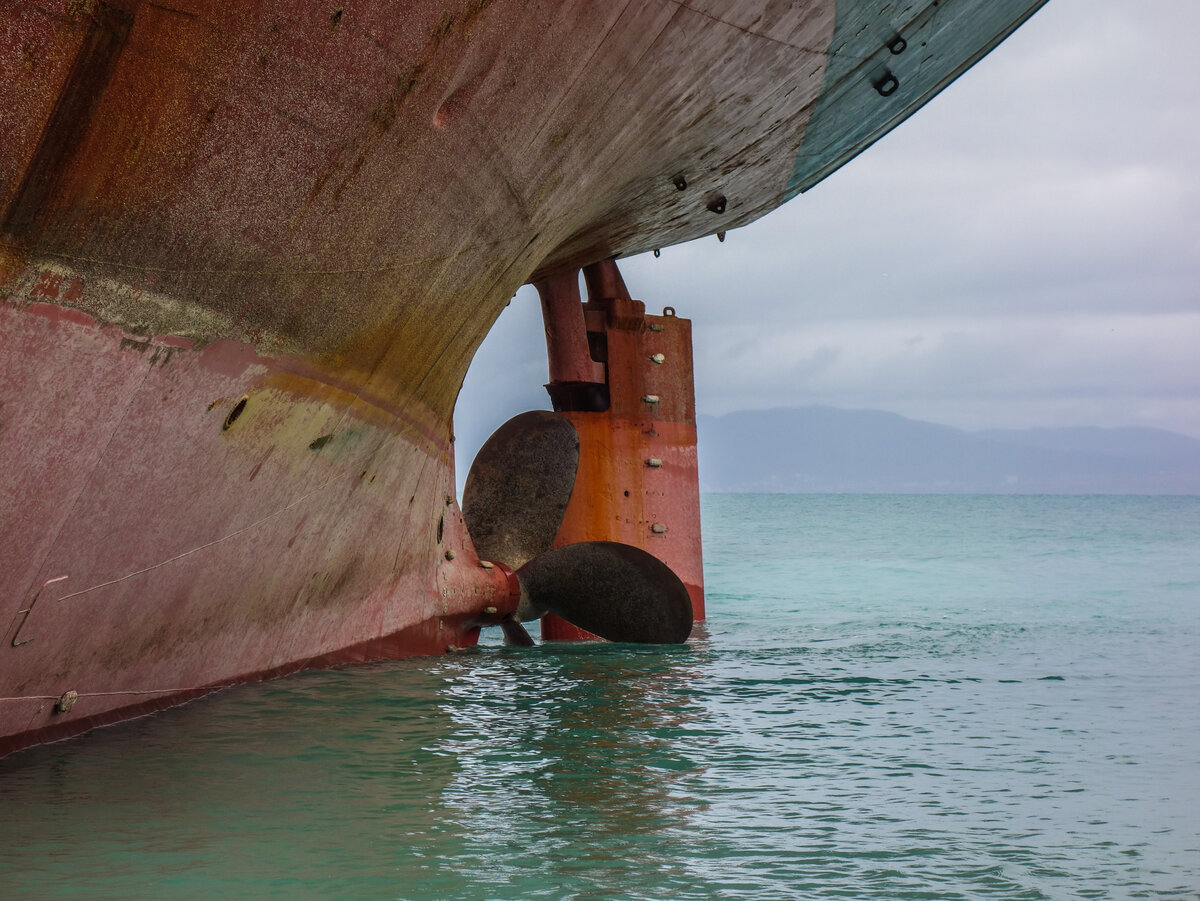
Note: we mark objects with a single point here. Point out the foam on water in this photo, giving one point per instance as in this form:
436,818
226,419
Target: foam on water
894,697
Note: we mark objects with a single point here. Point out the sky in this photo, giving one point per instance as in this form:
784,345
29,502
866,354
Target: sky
1022,252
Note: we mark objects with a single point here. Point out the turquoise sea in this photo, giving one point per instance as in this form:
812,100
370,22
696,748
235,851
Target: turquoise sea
894,697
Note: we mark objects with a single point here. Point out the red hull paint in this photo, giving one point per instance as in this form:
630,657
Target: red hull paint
163,547
322,214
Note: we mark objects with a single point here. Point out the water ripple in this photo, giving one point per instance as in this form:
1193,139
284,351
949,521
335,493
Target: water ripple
1011,720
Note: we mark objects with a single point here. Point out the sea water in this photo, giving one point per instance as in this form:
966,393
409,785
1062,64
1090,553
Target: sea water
893,697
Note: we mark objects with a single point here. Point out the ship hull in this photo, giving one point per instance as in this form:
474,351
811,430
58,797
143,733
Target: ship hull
201,517
245,262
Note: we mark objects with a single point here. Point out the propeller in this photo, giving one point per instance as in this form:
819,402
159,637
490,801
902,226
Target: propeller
515,634
514,501
613,590
519,486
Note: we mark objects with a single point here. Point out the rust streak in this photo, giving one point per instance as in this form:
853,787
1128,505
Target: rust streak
90,73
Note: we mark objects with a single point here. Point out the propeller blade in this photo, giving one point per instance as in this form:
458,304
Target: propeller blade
519,485
616,591
515,634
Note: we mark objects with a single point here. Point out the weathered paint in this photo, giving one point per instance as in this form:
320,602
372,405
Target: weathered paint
320,212
159,546
370,191
882,66
637,481
569,361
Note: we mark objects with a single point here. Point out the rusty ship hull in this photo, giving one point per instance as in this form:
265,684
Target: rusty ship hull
248,251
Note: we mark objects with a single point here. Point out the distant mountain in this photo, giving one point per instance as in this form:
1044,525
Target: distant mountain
823,449
1142,444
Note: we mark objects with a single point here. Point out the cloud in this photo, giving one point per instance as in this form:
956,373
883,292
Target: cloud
1024,251
892,359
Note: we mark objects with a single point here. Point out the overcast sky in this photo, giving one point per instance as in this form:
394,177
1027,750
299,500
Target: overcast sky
1024,251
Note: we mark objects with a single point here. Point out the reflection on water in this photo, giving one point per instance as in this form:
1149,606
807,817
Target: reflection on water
552,770
917,697
257,789
570,763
